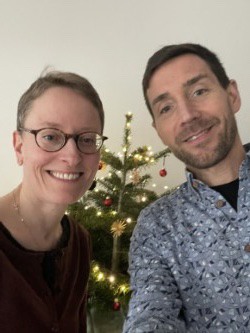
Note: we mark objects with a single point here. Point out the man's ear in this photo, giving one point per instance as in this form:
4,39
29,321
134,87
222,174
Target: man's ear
18,144
234,96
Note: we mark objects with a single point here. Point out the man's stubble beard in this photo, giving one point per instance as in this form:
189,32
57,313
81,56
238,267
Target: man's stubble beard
209,159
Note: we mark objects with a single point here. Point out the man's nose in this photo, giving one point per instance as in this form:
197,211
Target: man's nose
186,111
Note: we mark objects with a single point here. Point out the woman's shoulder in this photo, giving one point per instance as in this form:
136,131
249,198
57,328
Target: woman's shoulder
78,229
79,238
7,210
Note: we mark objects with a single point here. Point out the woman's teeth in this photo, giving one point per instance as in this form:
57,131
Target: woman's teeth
66,176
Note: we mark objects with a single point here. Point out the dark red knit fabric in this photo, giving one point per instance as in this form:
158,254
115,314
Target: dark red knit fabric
27,305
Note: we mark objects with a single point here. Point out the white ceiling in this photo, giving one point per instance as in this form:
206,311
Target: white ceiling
109,42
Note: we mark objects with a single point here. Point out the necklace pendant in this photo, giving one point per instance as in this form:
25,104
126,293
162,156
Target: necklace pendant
15,206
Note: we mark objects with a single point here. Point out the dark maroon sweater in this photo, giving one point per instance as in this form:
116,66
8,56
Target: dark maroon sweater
27,303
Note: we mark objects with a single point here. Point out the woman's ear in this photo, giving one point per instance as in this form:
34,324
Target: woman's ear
234,96
17,144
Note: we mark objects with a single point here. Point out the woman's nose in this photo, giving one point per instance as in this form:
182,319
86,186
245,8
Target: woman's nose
70,153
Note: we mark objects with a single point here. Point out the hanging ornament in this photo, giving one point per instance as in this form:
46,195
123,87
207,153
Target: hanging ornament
116,305
118,227
102,165
108,202
163,171
135,177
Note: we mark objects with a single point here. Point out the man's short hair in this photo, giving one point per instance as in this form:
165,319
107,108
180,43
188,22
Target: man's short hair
172,51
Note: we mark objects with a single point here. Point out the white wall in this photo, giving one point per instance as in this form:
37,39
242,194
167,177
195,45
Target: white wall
109,42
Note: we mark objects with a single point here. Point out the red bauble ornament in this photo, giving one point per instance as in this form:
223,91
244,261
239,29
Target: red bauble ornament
108,202
163,172
116,305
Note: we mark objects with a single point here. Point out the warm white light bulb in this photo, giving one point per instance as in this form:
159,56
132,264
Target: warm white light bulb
100,276
111,278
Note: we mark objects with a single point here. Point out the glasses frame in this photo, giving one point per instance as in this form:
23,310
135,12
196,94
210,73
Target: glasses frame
66,136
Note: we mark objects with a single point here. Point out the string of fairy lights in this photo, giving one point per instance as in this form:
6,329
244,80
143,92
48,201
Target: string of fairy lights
139,157
145,155
101,276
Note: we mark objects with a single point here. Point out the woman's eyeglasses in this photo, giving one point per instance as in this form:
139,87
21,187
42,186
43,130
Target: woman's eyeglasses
52,139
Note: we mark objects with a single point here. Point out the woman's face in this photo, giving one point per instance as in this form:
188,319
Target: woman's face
60,177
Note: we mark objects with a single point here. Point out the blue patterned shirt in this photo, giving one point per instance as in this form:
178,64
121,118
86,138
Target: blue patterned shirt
190,262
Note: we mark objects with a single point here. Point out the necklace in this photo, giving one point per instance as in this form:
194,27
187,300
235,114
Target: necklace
16,207
34,239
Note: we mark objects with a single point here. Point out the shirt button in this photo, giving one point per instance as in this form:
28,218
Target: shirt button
195,184
220,203
247,248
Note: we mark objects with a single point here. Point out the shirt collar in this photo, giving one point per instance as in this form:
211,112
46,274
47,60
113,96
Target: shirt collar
244,171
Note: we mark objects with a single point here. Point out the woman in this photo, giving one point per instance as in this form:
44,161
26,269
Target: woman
44,256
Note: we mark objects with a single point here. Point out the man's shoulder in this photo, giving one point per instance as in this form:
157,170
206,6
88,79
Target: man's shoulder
167,202
161,217
247,147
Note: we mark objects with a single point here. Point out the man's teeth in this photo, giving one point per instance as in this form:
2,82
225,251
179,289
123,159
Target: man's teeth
68,176
194,137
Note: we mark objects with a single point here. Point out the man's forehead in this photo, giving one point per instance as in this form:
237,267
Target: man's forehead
184,70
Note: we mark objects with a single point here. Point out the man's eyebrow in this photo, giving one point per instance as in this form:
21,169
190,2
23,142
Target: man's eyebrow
189,83
194,80
160,98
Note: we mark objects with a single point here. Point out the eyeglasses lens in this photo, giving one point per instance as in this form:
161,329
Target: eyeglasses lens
50,139
53,140
89,142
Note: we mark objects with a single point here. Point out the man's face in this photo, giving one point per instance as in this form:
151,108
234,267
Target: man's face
193,113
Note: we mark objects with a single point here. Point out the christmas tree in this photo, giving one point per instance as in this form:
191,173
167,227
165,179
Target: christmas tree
110,212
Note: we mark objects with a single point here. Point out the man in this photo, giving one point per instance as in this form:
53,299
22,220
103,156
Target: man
190,251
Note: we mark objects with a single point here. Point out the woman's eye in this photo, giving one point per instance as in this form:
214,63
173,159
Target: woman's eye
86,140
49,137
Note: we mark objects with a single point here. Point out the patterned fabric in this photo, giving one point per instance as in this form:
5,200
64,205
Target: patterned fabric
190,262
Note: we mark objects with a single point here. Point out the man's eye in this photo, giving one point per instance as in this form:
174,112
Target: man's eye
165,109
200,92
